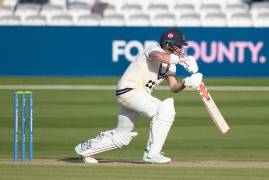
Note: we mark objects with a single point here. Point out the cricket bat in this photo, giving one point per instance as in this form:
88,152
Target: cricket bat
212,109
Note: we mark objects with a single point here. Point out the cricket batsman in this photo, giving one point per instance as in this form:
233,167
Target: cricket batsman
133,93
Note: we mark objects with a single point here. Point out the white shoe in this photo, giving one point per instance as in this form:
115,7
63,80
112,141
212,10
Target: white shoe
90,160
159,159
86,159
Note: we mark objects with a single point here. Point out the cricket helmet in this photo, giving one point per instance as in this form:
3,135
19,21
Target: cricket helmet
171,38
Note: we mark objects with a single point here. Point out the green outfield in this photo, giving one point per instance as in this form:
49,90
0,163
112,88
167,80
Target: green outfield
63,118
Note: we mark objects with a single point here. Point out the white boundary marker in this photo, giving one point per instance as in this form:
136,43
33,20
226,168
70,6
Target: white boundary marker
110,87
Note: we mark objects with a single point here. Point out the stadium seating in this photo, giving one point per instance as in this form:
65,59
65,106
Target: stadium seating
130,9
24,10
113,20
214,20
180,9
209,9
10,20
138,20
6,11
259,7
229,2
87,20
195,3
220,3
61,20
262,20
155,9
240,20
164,20
110,10
78,9
11,3
35,20
189,20
211,13
51,10
58,2
88,3
236,8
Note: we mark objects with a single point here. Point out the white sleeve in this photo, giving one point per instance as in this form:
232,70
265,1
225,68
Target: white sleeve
152,48
172,70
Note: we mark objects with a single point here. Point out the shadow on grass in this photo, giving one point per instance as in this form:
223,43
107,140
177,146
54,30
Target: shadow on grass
79,160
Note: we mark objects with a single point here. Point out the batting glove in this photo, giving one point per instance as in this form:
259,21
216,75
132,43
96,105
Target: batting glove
193,81
189,63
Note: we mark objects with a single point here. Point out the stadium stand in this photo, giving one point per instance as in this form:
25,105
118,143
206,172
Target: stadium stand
214,20
87,20
61,20
41,2
234,2
240,20
155,9
11,3
220,3
189,20
113,20
58,2
180,9
236,8
6,10
111,9
259,7
35,20
24,10
50,10
209,9
10,20
261,20
130,9
89,3
166,19
211,13
79,9
195,3
138,20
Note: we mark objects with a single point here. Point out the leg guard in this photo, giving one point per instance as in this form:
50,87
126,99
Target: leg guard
106,141
160,126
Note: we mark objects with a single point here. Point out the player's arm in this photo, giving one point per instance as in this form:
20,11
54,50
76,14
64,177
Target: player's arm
160,56
189,62
192,81
174,85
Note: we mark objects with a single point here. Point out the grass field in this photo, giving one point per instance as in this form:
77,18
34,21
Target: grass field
63,118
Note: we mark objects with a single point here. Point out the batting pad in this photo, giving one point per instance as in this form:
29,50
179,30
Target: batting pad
160,127
106,141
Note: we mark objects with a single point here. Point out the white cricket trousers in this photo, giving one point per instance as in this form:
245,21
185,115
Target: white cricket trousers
132,104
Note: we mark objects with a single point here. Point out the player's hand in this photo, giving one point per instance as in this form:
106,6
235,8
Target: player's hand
189,63
193,81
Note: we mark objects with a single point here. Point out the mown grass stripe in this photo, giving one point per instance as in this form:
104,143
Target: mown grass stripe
110,87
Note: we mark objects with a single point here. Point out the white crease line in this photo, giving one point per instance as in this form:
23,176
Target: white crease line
110,87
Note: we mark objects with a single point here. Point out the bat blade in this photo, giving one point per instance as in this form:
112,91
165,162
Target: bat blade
213,110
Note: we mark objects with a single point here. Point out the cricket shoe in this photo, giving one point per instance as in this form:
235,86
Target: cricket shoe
90,160
159,159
